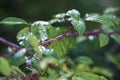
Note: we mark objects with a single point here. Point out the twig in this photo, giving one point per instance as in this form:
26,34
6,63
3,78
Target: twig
93,33
10,44
113,33
48,42
55,67
7,54
69,34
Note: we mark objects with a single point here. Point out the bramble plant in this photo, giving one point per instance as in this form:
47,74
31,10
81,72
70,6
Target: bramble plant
43,47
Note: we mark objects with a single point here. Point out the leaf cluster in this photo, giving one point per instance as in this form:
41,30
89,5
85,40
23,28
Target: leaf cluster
44,46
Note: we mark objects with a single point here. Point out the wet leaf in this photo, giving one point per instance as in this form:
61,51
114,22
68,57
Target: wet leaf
109,20
111,10
79,26
43,25
36,46
116,37
84,60
13,21
73,14
90,76
103,40
4,67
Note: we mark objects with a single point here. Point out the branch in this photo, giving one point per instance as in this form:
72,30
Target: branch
9,43
69,34
113,33
7,54
48,42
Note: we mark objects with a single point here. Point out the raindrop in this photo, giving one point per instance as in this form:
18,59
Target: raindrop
91,37
45,50
43,25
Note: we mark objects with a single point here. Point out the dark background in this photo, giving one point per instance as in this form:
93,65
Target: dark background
32,10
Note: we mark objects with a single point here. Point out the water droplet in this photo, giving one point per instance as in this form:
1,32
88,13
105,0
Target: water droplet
20,37
45,50
73,12
81,39
91,16
91,37
43,25
20,53
21,43
57,28
61,15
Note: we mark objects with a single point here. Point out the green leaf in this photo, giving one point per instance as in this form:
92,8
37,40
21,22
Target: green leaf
91,17
66,76
43,26
76,21
116,37
44,63
22,35
73,14
64,45
55,31
90,76
13,21
18,61
36,46
112,59
18,58
106,72
4,67
16,68
52,75
79,26
35,62
109,20
60,16
1,78
107,29
39,30
111,10
84,60
103,40
82,67
76,78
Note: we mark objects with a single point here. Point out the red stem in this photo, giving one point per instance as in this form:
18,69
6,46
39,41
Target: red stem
7,54
48,42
